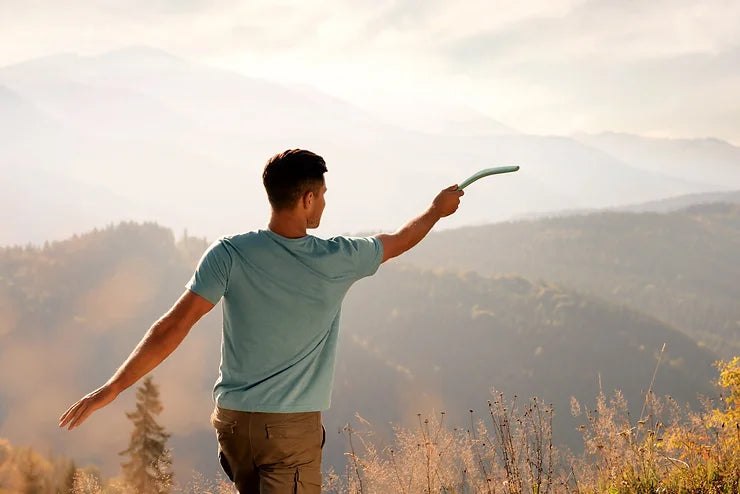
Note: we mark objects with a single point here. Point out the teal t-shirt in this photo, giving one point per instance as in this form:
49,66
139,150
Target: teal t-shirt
281,306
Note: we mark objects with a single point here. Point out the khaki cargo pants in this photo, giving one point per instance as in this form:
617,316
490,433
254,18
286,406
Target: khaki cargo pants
270,453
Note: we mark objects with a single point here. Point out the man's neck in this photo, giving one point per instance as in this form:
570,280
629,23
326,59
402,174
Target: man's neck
287,225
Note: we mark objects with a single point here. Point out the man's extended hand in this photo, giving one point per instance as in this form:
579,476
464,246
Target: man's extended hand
447,201
395,244
160,341
96,400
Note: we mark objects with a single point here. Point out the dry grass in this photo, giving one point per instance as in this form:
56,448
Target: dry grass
89,483
509,452
667,449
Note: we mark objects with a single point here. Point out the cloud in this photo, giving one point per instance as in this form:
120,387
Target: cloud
661,67
620,31
538,29
541,65
158,7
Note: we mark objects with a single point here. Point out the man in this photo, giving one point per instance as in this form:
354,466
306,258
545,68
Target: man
282,292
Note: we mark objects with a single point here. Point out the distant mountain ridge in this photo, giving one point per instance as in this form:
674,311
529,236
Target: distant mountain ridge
710,160
683,202
659,206
154,129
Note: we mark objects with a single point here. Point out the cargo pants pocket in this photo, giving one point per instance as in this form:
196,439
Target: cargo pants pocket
225,464
308,481
301,480
225,429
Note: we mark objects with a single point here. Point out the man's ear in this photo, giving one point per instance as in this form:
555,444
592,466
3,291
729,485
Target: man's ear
308,198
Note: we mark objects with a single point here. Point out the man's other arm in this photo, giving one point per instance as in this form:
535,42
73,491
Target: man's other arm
157,344
395,244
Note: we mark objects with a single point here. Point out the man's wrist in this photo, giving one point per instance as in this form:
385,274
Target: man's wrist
433,213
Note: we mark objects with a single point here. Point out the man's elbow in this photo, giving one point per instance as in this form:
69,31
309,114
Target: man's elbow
176,323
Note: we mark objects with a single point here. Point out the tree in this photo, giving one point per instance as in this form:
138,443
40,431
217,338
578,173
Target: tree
11,479
728,417
149,468
35,471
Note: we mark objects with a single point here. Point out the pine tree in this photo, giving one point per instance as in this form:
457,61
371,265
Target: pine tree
149,468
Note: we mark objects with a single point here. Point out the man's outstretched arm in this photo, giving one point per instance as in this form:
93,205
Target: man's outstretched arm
395,244
161,340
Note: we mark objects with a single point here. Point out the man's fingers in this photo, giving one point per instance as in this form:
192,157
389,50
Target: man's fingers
65,416
82,414
79,412
71,416
75,418
454,188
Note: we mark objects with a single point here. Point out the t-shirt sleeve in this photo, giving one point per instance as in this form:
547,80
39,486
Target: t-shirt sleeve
366,253
211,277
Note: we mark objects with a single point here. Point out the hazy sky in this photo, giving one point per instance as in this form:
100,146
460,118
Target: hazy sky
659,67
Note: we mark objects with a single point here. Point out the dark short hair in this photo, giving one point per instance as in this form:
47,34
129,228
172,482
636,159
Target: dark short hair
290,174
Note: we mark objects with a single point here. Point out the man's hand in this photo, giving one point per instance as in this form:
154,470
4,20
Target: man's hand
395,244
78,412
447,201
160,341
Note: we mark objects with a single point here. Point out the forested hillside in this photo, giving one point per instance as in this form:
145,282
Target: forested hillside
72,311
414,340
423,339
682,267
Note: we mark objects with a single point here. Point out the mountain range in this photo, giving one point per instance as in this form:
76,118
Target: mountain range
138,134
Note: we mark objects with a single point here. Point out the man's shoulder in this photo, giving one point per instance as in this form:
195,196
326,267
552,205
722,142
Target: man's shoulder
240,238
352,239
227,245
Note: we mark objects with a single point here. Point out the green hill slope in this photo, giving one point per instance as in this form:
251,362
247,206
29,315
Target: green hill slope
422,339
682,267
413,340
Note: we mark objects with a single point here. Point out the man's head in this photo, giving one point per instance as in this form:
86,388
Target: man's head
294,181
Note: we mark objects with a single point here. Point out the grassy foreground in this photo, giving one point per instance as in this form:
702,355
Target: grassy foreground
668,449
